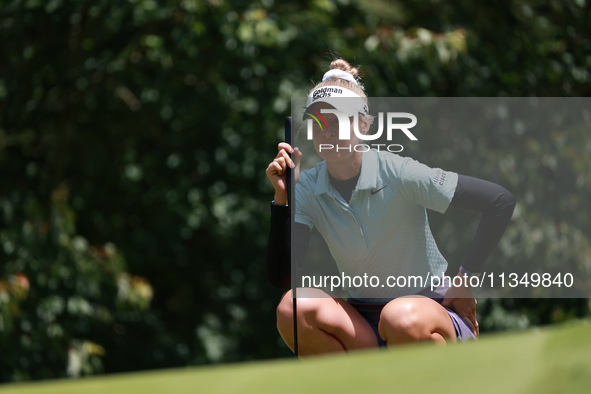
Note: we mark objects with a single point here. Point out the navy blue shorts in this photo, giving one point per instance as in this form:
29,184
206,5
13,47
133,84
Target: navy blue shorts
371,313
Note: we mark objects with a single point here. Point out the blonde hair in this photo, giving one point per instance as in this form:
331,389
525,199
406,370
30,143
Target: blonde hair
342,64
366,120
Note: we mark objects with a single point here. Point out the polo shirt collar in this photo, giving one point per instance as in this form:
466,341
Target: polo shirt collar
323,182
369,177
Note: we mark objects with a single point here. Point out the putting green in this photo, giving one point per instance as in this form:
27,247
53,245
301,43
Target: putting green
549,360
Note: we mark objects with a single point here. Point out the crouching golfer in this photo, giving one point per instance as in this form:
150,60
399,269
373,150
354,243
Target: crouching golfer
337,196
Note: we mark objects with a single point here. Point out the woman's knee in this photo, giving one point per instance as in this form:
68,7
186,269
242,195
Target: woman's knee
410,319
308,310
400,317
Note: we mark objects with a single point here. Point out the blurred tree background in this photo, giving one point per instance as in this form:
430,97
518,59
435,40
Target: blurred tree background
134,138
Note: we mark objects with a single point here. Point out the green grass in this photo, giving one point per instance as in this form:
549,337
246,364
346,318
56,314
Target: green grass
549,360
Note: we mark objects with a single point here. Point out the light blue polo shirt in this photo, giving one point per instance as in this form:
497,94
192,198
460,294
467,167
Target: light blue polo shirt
384,229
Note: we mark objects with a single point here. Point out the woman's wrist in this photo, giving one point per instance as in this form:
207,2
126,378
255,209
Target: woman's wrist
279,199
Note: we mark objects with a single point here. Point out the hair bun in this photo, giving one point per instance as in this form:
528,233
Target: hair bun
342,64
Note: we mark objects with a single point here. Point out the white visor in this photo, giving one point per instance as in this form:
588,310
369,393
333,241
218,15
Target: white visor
341,99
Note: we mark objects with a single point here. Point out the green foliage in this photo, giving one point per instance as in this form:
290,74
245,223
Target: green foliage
59,296
148,125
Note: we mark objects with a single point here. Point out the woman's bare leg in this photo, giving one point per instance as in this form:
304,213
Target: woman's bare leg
325,325
414,319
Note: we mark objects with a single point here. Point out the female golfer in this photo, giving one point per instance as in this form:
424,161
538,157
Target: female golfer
337,197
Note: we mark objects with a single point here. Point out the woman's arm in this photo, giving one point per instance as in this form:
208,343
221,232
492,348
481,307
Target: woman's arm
278,247
496,205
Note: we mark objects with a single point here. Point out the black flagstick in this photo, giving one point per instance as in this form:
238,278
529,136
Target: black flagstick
291,202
